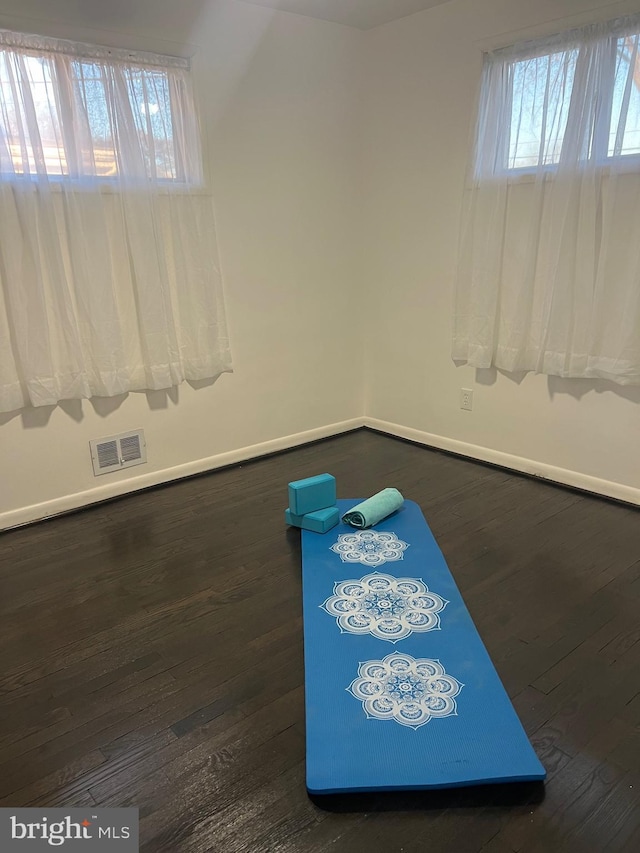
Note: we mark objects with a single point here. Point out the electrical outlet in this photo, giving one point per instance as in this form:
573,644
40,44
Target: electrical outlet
466,399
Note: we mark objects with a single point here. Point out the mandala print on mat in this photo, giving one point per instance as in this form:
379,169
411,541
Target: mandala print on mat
406,689
388,608
369,547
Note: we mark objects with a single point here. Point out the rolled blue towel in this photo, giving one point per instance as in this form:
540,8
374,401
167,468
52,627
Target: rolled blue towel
374,509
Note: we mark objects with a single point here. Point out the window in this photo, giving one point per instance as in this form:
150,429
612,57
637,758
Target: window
109,278
73,111
534,111
548,273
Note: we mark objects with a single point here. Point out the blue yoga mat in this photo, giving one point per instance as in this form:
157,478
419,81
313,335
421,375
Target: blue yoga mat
400,691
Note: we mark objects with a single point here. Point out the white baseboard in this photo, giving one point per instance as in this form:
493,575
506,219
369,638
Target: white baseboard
563,476
37,512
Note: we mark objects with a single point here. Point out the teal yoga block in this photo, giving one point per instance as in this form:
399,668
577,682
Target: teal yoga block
319,521
312,494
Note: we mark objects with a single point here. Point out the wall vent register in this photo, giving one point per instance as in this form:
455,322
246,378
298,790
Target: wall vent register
118,451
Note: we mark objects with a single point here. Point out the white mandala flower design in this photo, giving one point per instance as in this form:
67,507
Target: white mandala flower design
388,608
369,547
406,689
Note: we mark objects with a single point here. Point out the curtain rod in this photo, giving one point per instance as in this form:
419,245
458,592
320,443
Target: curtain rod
84,50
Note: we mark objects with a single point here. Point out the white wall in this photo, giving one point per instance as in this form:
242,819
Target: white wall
277,95
423,73
292,154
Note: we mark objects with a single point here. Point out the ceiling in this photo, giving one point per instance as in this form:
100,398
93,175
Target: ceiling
178,19
362,14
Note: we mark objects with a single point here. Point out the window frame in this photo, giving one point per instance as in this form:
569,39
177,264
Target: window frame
599,157
187,178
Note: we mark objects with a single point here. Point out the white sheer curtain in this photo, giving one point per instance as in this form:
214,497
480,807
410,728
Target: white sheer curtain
549,270
109,278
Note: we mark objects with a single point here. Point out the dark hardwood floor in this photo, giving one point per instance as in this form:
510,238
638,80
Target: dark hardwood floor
152,656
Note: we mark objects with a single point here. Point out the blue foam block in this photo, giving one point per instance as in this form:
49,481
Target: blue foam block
319,521
312,493
400,691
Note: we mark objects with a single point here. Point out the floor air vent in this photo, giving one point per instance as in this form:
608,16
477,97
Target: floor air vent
118,451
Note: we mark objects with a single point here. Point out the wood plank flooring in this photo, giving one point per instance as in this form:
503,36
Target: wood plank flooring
152,656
